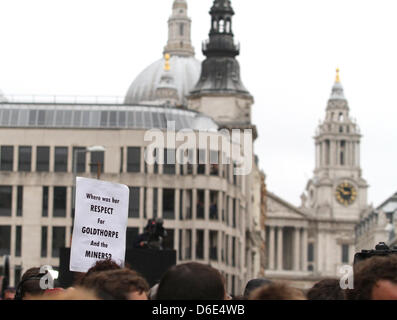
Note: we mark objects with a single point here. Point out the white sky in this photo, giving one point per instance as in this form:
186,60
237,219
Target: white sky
289,52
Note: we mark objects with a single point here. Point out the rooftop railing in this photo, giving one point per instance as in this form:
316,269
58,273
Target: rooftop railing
62,99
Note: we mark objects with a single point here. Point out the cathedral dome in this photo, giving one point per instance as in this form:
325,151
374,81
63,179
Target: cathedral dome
184,70
182,67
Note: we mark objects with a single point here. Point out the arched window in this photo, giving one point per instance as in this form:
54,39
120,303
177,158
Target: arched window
228,26
181,29
340,116
215,25
221,26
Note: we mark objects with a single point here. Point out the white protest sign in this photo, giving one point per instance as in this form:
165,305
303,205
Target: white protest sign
100,223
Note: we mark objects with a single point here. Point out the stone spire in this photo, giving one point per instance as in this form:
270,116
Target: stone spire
179,31
220,71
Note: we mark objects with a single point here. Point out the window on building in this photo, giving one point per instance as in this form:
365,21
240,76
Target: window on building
79,156
44,237
58,240
155,203
169,239
189,204
310,252
180,251
234,213
342,152
213,245
122,159
200,244
345,253
59,202
5,240
145,203
190,161
133,159
133,211
188,245
61,159
233,251
214,161
201,161
200,204
5,201
6,158
18,241
168,203
169,161
97,162
25,159
181,209
17,275
43,159
45,202
181,29
131,236
19,201
213,205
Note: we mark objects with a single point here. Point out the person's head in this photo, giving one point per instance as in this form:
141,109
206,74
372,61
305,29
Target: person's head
191,281
254,284
71,294
375,279
277,291
9,293
120,284
100,265
29,286
327,289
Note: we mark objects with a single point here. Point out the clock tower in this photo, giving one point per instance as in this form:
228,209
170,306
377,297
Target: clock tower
337,190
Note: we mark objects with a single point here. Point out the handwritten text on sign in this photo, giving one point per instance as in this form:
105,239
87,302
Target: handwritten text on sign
100,223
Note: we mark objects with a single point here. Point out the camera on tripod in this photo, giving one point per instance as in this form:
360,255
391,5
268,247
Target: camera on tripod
153,236
381,249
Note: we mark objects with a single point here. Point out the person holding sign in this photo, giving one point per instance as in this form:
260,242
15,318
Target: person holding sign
100,223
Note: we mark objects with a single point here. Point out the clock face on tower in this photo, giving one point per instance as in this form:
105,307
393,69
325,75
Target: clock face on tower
346,194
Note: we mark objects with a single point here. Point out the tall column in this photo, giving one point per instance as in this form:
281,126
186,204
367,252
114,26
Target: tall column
271,247
296,248
304,249
280,251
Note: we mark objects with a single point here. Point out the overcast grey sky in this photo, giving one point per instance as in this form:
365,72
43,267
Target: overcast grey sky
289,52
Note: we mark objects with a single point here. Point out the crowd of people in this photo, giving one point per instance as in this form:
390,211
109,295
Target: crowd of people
374,279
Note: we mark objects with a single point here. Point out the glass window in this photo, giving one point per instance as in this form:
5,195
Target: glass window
58,240
133,159
121,159
310,252
201,161
43,159
213,205
44,236
61,159
5,240
200,204
200,244
5,201
155,201
168,203
25,159
45,202
168,242
133,211
6,158
79,153
233,251
214,161
19,201
189,204
169,161
59,202
213,245
188,246
17,275
97,161
18,241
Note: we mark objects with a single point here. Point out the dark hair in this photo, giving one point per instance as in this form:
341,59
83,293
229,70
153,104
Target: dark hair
368,272
115,284
327,289
191,281
254,284
277,291
30,283
100,265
